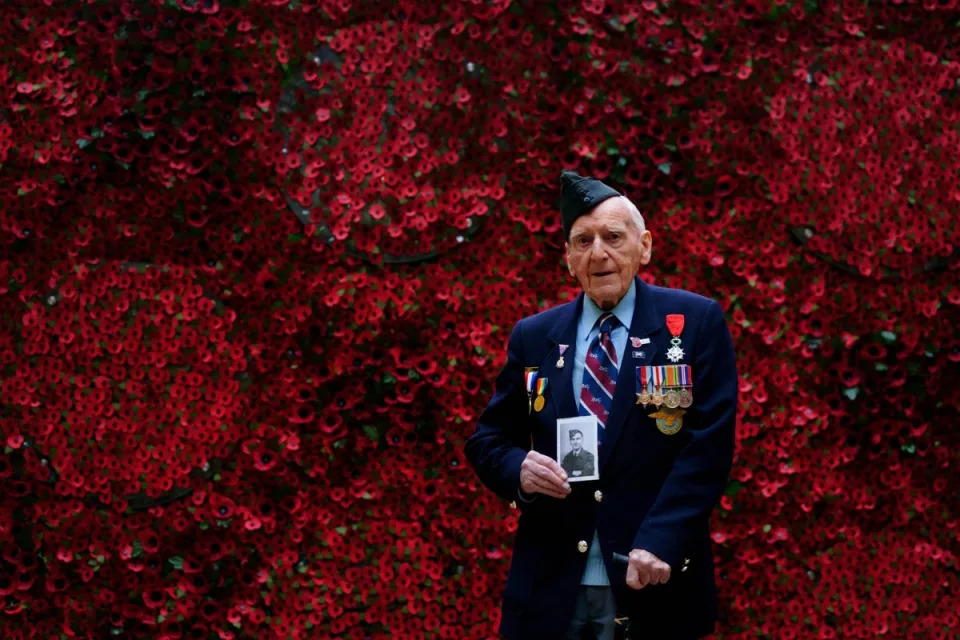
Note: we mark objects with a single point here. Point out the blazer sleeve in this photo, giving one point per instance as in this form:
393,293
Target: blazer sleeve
502,437
682,508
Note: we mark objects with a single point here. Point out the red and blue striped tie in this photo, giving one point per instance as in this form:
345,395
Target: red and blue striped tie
600,373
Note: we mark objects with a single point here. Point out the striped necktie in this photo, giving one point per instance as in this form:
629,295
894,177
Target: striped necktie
600,373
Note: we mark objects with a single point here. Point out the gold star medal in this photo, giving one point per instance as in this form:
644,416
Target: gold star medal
643,381
657,396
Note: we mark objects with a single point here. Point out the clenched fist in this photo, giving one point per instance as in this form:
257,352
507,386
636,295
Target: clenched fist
646,568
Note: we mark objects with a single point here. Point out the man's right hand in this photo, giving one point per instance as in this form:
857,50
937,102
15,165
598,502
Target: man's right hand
540,474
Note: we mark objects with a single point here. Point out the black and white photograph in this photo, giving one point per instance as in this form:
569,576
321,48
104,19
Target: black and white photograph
577,448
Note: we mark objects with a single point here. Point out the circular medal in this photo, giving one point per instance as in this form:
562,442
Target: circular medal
668,428
644,397
657,398
538,403
686,398
671,399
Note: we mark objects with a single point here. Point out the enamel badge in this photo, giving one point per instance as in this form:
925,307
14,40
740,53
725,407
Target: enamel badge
675,323
669,421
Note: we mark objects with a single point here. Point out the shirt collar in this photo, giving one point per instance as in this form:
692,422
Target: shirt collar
623,311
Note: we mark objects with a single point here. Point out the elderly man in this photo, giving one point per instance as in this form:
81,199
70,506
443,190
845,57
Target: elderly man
656,367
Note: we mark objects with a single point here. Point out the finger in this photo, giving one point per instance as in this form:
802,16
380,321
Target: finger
632,581
531,464
554,466
549,463
528,481
540,486
546,474
643,576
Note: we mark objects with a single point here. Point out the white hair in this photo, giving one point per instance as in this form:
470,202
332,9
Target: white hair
635,214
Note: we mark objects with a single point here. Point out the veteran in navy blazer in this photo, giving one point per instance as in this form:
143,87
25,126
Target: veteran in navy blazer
657,485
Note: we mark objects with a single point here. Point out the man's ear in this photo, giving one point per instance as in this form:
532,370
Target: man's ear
646,242
566,256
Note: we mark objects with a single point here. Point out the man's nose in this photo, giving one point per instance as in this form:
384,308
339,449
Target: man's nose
598,249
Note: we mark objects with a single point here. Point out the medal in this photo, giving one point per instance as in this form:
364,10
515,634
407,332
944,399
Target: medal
686,382
669,421
675,325
562,347
540,402
657,397
530,378
644,396
671,397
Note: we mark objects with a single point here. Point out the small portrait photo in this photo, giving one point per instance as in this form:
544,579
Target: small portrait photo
577,448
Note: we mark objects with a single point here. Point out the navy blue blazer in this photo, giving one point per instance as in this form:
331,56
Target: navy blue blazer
655,491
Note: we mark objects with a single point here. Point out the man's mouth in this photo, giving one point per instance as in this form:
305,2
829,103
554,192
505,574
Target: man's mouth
601,274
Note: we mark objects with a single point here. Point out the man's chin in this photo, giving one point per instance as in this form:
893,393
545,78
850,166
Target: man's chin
607,302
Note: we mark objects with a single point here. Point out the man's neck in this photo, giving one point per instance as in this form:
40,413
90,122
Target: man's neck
607,306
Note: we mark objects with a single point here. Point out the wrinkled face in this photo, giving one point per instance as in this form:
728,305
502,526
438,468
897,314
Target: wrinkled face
605,250
576,441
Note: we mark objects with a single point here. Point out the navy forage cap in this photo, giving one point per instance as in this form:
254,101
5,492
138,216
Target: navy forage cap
578,195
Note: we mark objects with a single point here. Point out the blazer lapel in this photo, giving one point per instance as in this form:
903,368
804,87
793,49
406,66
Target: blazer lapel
646,322
564,331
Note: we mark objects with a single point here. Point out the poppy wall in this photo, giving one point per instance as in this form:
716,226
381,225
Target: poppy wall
259,260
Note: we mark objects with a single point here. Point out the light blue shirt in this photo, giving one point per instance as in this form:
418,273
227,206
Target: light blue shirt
595,572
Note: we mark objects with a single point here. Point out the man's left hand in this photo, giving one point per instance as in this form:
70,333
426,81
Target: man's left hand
646,568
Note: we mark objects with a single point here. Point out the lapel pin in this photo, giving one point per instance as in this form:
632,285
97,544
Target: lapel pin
562,348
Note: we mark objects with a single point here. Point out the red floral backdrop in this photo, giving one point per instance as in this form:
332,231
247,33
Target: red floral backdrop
259,260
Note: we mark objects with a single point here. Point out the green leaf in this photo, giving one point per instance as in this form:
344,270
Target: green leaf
177,562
